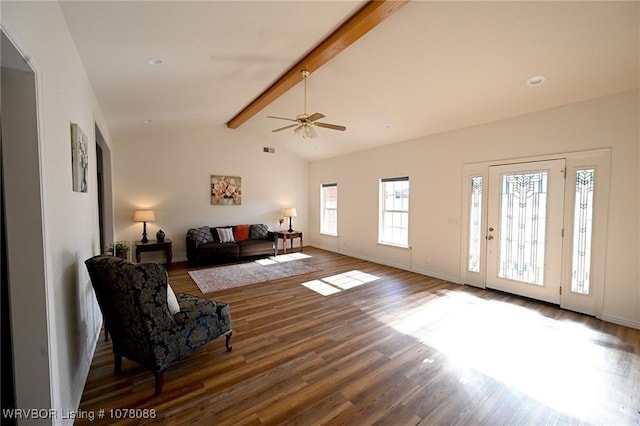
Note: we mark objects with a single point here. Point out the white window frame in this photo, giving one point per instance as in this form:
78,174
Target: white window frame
385,228
324,210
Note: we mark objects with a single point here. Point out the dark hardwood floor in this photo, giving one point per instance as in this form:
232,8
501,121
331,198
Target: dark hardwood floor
387,347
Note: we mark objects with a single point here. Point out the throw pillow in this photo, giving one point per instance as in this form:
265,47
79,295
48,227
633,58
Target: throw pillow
259,232
225,235
172,301
201,235
241,233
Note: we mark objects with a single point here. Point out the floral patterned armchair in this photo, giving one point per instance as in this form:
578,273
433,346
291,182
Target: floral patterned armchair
133,301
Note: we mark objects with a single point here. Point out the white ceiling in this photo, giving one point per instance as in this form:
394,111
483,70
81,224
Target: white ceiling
429,68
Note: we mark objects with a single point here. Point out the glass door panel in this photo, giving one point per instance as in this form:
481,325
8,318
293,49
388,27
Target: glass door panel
524,233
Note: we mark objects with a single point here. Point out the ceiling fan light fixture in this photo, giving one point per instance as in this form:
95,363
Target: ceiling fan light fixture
306,131
309,132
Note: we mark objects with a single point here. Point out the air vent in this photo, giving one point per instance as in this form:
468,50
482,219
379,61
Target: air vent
269,150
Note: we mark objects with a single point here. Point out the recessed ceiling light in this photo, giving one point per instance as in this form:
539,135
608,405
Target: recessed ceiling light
154,61
147,121
536,80
387,125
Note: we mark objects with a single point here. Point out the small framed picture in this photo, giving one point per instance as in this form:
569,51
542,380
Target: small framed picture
79,158
226,190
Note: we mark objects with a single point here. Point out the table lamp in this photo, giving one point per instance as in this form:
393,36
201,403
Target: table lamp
144,216
290,212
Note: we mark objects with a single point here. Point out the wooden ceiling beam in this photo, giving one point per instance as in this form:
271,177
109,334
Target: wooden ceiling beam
364,20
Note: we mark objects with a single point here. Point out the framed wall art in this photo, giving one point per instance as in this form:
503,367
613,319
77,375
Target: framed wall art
226,190
79,158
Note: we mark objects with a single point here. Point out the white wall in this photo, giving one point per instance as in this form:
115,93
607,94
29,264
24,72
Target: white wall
70,219
434,165
170,172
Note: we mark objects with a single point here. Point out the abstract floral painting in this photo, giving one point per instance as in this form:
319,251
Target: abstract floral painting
79,158
226,190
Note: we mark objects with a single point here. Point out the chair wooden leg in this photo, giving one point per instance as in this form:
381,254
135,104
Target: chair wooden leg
117,363
159,382
227,339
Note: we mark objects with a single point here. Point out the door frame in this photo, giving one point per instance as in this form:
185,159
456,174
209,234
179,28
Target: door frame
23,156
600,159
104,194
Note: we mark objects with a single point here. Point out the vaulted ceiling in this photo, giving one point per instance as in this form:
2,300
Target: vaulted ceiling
431,67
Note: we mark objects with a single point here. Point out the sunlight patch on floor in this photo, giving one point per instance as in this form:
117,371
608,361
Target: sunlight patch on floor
283,258
337,283
557,363
321,287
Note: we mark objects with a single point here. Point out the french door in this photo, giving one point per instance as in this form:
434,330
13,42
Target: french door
525,229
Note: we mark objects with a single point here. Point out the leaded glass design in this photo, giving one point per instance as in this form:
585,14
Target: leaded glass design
475,223
582,230
522,227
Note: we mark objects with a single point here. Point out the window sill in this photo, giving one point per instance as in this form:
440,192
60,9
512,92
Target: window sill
328,235
400,246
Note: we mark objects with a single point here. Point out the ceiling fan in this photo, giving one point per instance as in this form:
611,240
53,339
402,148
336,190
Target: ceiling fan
304,123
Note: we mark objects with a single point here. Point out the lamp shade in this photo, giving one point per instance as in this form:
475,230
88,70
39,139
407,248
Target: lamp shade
290,212
144,216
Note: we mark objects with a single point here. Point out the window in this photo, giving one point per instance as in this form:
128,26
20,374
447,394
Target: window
582,231
523,224
329,209
394,211
475,224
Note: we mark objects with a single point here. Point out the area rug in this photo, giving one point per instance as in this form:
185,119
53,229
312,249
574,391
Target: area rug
231,276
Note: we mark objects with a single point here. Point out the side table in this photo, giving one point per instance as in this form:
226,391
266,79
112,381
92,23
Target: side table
286,235
154,245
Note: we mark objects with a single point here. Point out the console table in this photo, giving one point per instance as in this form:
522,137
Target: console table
154,245
286,235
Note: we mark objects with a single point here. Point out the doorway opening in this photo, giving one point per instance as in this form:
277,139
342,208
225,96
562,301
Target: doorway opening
24,331
105,198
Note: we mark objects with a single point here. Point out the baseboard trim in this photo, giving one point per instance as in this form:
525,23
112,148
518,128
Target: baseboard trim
620,321
449,278
455,280
84,367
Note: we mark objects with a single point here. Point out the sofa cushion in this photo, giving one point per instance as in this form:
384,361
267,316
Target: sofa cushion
201,235
258,232
241,233
225,235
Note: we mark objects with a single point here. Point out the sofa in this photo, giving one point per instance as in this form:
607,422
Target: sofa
148,323
218,244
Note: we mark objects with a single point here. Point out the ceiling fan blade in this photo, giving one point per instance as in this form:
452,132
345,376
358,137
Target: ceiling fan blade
284,128
281,118
316,116
331,126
